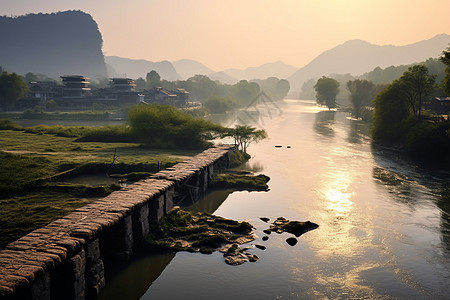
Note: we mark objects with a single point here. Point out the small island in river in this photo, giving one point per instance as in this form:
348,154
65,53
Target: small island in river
181,230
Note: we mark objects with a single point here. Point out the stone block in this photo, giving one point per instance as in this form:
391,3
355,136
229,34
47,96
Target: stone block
40,287
141,225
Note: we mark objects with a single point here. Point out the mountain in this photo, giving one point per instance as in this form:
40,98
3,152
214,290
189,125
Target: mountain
52,44
135,68
357,57
188,68
223,77
275,69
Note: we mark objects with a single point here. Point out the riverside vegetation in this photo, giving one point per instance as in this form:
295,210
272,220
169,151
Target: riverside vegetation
181,230
397,110
37,161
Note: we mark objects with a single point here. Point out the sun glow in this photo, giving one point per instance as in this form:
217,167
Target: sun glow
339,200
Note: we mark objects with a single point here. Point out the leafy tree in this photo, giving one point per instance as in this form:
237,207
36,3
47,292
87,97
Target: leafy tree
445,84
33,77
140,83
417,85
30,77
51,105
362,93
275,88
218,105
244,135
307,91
326,91
201,87
390,110
282,88
12,88
153,79
166,126
244,92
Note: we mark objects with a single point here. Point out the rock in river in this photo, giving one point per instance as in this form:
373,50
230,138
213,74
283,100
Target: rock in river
292,241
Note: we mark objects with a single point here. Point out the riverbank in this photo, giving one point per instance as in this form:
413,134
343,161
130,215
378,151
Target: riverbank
30,162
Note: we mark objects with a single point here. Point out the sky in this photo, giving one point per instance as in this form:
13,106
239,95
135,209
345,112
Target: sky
225,34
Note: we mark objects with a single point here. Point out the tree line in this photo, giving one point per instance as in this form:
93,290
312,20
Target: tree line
398,114
378,76
218,97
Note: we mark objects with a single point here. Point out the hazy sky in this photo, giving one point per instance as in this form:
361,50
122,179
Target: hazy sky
246,33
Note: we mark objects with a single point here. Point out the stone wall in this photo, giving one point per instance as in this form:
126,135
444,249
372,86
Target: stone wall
65,259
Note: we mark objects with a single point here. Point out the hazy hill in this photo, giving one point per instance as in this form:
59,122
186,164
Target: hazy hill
275,69
52,44
223,77
357,57
135,68
188,68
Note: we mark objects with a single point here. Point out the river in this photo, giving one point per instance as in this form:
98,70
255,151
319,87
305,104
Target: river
384,227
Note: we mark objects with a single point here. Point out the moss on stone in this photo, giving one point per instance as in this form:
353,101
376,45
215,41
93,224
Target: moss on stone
240,181
181,230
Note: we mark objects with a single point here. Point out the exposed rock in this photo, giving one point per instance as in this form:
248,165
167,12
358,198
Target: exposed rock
236,259
252,257
265,238
297,228
261,247
205,233
264,219
292,241
234,255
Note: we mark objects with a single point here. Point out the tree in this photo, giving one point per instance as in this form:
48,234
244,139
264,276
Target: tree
12,88
218,105
445,84
30,77
153,79
390,110
244,135
417,84
166,126
275,88
140,83
201,87
326,91
244,92
362,93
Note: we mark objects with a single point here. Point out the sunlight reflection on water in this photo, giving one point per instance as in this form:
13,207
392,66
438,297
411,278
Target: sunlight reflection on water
383,231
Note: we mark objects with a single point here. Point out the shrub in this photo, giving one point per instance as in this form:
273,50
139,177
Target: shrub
6,124
166,126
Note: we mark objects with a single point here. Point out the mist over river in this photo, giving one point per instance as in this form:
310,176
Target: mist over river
384,226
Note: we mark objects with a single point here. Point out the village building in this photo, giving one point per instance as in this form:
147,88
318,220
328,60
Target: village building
439,105
158,95
76,93
40,93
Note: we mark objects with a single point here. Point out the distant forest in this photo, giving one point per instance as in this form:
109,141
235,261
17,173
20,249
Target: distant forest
202,88
377,76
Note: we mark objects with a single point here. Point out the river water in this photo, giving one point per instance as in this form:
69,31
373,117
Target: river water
384,226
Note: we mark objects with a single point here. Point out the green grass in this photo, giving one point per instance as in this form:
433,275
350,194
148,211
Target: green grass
27,159
203,232
238,181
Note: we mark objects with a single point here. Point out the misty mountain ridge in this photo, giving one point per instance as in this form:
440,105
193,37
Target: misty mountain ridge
188,68
135,68
274,69
185,68
52,44
357,57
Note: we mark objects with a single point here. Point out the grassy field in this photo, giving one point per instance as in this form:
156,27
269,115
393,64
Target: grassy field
29,200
